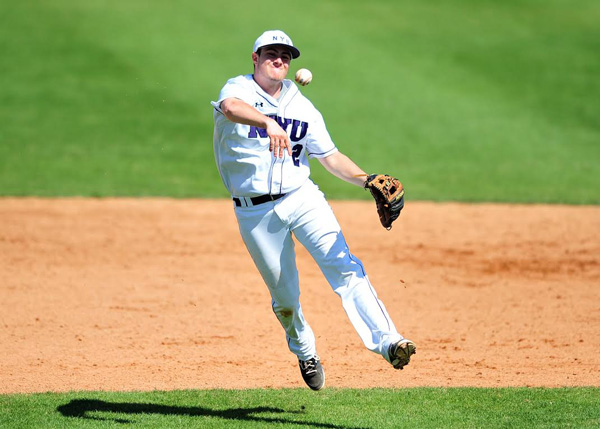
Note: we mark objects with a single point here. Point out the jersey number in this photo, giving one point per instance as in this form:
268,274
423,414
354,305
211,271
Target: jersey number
296,151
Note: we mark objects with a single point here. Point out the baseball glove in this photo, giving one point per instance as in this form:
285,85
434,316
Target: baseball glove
389,197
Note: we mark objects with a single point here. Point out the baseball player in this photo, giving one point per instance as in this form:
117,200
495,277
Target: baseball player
264,132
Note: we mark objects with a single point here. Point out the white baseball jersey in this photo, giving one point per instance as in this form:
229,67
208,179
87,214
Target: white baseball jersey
245,163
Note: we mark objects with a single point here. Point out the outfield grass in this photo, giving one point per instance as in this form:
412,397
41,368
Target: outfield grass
463,100
331,408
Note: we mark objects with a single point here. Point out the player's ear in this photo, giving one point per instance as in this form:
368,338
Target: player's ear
255,58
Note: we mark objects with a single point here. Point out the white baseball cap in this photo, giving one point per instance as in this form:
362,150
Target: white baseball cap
275,37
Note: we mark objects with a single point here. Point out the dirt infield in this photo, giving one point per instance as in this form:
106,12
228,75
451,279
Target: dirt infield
141,294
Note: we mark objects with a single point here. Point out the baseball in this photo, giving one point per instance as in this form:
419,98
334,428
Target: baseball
303,77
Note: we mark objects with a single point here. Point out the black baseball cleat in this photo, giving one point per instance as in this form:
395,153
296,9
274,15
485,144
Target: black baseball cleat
313,373
401,352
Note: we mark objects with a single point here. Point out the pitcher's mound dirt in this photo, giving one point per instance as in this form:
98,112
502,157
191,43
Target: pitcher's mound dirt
140,294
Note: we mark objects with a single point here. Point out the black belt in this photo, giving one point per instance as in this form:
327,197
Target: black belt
259,200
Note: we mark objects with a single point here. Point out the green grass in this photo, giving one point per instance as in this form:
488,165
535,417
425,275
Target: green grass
463,100
331,408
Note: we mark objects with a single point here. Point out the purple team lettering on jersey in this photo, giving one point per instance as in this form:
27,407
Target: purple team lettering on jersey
283,123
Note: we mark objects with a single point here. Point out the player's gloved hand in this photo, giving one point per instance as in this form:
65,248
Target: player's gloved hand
279,140
388,193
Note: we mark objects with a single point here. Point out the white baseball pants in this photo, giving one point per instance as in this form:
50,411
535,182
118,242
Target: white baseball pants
267,232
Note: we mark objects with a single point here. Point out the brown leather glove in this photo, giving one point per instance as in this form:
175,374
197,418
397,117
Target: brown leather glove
389,197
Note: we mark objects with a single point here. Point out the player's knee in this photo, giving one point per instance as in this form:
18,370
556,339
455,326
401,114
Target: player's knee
284,313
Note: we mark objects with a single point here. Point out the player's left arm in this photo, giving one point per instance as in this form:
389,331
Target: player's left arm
344,168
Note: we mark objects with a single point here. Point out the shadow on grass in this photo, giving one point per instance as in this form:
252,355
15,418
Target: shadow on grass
81,408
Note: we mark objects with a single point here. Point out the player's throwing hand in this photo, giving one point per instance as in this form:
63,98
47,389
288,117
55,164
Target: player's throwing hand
279,140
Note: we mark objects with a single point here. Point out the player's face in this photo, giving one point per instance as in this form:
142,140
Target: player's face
273,62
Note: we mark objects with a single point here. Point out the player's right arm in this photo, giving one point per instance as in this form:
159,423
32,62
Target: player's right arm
241,112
